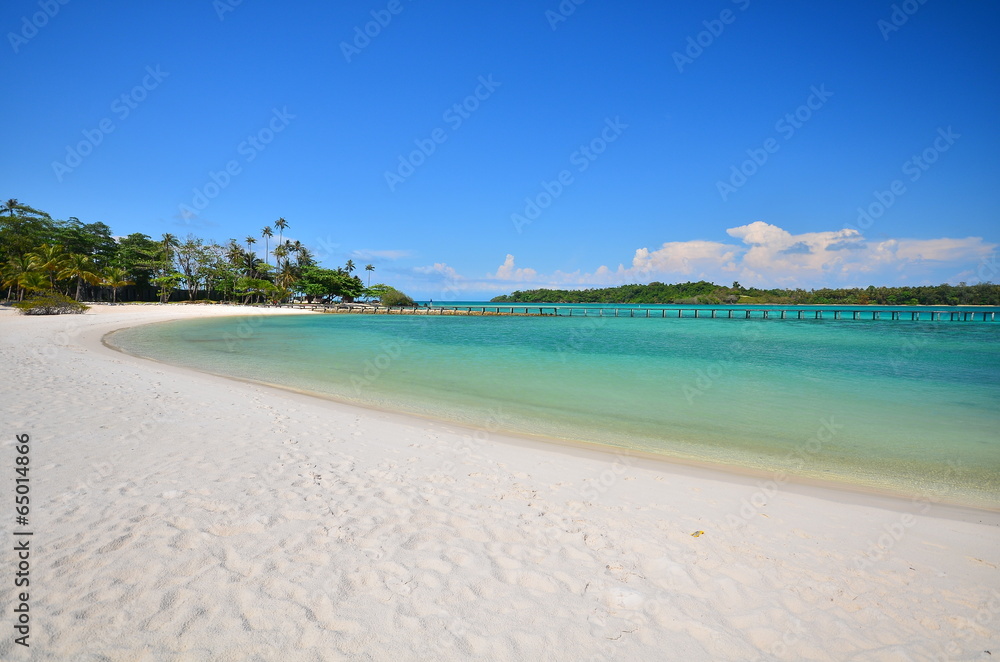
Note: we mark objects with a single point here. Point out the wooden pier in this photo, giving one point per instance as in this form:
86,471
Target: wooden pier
679,313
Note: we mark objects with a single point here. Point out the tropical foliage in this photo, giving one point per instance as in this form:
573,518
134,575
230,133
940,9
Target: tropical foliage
51,303
987,294
393,297
40,255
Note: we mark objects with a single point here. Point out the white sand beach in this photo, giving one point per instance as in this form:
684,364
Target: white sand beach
184,516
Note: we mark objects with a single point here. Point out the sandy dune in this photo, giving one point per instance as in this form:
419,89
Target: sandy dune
183,516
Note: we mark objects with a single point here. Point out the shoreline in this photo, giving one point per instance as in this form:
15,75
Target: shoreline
830,489
232,518
827,488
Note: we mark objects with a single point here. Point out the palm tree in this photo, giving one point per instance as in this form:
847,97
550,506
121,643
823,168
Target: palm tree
250,263
16,271
165,266
82,268
114,278
305,257
293,248
49,258
349,266
369,268
34,281
266,233
281,224
250,242
10,206
280,251
168,243
287,277
234,252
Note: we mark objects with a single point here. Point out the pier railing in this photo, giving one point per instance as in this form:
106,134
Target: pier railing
679,313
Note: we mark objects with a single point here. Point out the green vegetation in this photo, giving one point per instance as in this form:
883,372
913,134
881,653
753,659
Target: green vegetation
393,297
702,292
51,303
85,261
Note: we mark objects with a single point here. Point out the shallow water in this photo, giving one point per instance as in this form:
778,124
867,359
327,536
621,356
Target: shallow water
905,406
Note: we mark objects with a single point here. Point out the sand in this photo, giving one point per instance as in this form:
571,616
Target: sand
184,516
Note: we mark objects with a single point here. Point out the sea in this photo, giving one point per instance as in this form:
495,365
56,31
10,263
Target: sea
909,407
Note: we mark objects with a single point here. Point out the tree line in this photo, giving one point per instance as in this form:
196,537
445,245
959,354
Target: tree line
703,292
39,254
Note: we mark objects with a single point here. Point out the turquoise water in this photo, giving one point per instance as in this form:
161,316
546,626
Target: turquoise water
910,407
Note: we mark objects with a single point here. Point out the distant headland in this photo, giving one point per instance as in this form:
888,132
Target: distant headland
704,292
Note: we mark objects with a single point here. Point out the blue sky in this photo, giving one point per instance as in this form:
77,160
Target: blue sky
468,150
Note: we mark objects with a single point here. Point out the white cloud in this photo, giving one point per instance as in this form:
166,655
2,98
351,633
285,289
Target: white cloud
508,272
682,257
439,269
760,233
766,256
944,250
